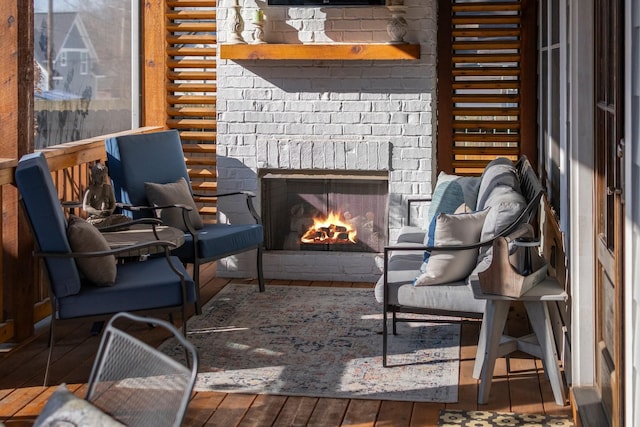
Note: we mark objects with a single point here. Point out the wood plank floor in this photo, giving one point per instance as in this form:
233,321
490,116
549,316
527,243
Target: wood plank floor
524,389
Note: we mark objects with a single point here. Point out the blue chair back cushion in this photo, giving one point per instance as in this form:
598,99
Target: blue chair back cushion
128,174
48,222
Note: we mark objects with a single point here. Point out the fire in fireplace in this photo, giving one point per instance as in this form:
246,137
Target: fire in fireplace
303,211
333,229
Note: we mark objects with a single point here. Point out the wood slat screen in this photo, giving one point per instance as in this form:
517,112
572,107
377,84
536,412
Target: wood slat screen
191,90
486,83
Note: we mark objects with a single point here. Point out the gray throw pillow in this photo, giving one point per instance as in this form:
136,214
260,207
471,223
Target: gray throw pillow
506,205
84,237
66,409
500,171
171,194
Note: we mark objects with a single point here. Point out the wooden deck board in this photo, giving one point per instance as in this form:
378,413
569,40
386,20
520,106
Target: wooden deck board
231,410
524,386
296,411
328,413
17,400
361,413
22,397
425,414
263,411
201,407
394,414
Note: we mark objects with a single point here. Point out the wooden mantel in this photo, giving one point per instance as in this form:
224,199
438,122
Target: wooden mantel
337,51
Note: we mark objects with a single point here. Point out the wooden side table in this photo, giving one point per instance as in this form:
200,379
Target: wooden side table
541,344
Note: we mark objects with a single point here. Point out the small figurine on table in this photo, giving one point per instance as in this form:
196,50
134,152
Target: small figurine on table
99,200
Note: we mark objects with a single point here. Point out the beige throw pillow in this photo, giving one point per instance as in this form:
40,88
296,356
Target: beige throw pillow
84,237
451,266
171,194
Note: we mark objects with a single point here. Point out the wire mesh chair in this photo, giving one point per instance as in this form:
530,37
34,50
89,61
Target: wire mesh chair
137,384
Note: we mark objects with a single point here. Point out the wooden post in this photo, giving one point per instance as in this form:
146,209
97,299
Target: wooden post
528,77
445,81
17,136
154,69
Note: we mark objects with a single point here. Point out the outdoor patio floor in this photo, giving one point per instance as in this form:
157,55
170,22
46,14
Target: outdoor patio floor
524,389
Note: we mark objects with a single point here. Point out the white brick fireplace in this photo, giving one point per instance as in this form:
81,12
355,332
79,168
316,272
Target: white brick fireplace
326,116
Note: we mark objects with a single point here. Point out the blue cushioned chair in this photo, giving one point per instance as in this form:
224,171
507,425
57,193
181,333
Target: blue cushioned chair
160,282
158,158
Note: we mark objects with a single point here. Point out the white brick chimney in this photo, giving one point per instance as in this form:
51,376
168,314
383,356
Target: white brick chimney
326,115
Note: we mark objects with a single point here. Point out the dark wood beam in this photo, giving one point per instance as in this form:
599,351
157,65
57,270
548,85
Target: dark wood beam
154,64
17,136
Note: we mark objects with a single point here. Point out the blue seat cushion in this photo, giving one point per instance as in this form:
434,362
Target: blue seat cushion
220,240
142,285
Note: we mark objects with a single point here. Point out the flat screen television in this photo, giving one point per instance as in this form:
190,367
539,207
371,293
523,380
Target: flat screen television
326,3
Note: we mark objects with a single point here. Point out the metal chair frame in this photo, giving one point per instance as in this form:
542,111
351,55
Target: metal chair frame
138,384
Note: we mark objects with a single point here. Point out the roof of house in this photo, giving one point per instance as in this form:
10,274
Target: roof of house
68,30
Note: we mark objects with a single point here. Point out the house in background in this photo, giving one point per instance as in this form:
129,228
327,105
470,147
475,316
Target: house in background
80,89
71,71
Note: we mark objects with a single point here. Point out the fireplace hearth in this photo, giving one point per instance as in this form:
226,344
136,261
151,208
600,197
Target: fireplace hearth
304,211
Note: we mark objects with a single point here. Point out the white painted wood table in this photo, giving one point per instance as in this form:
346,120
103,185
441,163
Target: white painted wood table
493,343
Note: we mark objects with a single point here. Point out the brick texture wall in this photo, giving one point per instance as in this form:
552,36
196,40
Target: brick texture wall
327,115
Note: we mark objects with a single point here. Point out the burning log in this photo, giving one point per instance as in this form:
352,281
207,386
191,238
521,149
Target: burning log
330,230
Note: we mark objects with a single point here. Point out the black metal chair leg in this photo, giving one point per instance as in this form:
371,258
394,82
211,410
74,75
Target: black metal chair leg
384,339
259,266
51,339
96,327
196,279
394,320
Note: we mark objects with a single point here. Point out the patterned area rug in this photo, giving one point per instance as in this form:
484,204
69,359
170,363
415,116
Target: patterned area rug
455,418
322,342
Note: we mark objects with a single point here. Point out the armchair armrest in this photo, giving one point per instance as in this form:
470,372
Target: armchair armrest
249,195
116,251
521,230
138,208
150,245
116,227
185,214
233,193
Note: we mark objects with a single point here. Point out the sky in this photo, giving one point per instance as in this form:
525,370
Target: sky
58,5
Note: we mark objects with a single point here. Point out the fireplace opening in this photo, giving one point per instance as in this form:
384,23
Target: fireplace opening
312,212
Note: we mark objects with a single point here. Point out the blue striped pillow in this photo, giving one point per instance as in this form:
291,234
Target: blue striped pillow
446,198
